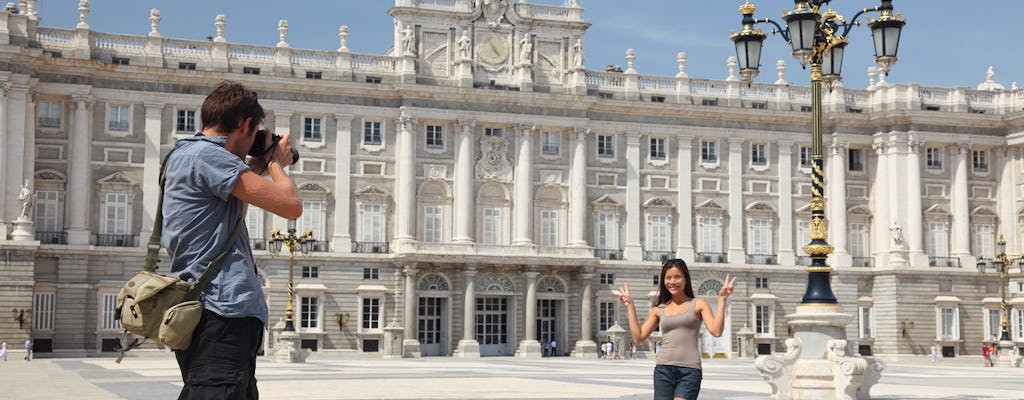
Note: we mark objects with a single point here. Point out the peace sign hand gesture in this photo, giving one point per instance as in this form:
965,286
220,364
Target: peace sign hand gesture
624,295
727,287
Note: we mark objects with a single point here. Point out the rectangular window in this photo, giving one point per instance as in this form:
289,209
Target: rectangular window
659,234
549,228
803,236
250,70
657,148
867,322
948,324
185,122
710,235
938,239
254,225
371,223
805,108
370,314
708,151
435,137
119,61
607,231
48,211
805,157
551,141
432,223
491,226
309,313
605,96
762,320
310,272
855,160
492,131
107,312
49,114
979,160
115,214
605,146
760,236
657,99
758,154
761,283
371,273
606,315
312,218
373,79
1017,329
709,102
371,133
312,129
190,66
314,75
984,240
995,320
118,118
607,279
759,106
43,310
858,239
933,158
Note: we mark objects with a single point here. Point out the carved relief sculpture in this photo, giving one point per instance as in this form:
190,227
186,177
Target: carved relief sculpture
494,163
464,45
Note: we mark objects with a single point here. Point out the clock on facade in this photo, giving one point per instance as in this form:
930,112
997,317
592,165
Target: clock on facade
492,49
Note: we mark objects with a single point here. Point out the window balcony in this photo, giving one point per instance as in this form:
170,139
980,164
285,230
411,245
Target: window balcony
322,246
110,240
762,259
716,258
864,262
658,255
258,243
371,247
52,237
608,254
944,262
49,122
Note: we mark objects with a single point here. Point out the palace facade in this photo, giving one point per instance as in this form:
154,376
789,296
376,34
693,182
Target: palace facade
477,191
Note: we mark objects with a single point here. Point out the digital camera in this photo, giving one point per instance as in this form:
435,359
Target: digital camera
257,145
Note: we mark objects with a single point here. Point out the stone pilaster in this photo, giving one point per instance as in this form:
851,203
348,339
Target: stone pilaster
585,347
151,170
787,256
736,253
17,102
1007,199
405,180
961,225
915,224
578,189
410,345
468,346
79,172
684,199
633,250
5,87
530,347
840,257
523,188
342,240
463,203
880,199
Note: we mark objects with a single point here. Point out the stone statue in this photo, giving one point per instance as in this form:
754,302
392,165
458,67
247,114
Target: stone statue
27,199
408,46
526,49
464,45
897,235
577,53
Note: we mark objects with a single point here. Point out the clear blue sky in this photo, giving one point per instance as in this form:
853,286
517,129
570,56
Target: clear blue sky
945,43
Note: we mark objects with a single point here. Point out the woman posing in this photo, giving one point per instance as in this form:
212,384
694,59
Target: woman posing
677,374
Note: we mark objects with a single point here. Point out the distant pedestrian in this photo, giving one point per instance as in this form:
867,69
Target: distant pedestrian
554,347
28,349
993,353
632,351
3,351
986,353
935,352
547,348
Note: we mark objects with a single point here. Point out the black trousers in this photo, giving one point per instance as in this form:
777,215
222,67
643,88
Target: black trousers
221,362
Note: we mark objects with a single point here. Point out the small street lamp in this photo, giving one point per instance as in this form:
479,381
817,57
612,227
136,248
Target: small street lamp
293,242
1002,262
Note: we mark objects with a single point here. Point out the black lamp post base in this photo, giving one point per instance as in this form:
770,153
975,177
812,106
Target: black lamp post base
819,289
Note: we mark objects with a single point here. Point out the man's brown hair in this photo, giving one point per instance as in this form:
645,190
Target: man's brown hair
228,105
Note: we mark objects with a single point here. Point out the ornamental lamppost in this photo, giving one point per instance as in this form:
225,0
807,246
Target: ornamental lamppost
293,242
1002,262
818,36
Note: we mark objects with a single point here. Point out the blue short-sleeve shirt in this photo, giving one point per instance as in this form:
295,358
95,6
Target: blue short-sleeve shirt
199,214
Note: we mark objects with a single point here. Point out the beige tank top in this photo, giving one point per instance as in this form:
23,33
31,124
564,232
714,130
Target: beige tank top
679,337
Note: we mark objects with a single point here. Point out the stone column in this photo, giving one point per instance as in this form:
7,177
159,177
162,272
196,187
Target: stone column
523,187
151,170
737,255
17,99
405,181
897,204
468,346
1006,199
961,225
530,347
342,240
786,254
880,199
684,199
578,190
840,257
915,223
634,217
585,347
4,88
79,187
463,203
410,345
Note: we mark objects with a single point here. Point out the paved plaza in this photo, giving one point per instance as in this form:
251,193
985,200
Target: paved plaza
155,376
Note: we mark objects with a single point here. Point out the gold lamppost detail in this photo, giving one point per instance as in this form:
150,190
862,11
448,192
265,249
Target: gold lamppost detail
293,242
1002,262
818,37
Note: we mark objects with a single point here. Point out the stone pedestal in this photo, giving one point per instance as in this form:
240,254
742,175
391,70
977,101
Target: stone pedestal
530,349
22,230
817,363
468,349
393,340
898,259
585,349
1008,351
289,349
464,72
524,77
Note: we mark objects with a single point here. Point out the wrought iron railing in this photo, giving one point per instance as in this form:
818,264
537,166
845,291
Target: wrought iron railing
258,243
370,247
115,240
864,262
717,258
658,255
762,259
319,246
944,262
608,254
52,237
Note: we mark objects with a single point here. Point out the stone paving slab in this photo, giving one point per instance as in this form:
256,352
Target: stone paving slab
506,378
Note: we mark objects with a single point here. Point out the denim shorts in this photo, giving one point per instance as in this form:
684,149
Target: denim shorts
671,381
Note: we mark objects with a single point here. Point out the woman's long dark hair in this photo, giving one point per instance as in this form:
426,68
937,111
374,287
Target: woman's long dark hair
663,294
